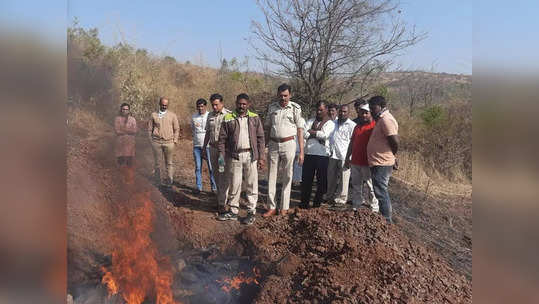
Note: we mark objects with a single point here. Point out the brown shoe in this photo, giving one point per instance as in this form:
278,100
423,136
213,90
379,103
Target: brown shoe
269,213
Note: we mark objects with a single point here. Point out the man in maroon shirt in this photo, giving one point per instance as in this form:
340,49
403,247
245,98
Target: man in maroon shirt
357,149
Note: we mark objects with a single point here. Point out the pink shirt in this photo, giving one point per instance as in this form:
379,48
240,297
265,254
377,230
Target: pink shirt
378,150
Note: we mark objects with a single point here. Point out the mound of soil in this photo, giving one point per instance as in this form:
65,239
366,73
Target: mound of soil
321,256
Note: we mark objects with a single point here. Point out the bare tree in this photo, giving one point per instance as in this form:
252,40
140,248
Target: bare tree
330,46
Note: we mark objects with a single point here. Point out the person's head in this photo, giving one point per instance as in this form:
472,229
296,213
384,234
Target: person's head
124,109
377,104
343,113
163,104
284,92
216,101
242,103
364,114
357,104
321,110
332,111
201,106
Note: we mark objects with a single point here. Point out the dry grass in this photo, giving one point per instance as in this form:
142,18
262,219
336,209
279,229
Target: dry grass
414,170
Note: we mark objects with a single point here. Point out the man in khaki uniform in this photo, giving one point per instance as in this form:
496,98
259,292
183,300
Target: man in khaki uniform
213,126
283,123
164,132
241,138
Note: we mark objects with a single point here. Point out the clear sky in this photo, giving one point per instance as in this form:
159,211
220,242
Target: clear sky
195,29
199,30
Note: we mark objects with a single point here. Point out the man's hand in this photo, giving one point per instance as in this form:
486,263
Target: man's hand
396,165
346,164
203,154
312,132
300,159
261,164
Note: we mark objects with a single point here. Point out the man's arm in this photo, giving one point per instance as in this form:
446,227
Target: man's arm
223,136
150,128
261,145
176,128
326,131
301,143
393,141
207,135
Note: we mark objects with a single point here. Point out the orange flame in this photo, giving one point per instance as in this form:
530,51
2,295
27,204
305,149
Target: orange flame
236,281
137,270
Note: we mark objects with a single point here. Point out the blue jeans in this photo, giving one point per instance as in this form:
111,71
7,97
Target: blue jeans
380,182
197,154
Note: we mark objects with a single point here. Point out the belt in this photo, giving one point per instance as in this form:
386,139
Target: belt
244,150
282,140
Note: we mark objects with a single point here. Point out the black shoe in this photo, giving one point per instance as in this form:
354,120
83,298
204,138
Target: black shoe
228,216
302,206
196,191
249,219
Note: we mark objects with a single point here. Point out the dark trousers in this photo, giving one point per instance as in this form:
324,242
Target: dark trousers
380,182
313,164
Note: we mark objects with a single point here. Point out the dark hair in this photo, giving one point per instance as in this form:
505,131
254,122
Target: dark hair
125,104
243,96
358,102
202,101
283,87
332,105
343,106
378,100
322,103
216,96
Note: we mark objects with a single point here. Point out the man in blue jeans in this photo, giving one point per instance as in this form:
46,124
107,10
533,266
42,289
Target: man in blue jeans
198,126
381,152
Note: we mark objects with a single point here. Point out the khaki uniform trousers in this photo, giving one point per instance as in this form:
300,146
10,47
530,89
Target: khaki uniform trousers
167,151
338,179
280,155
246,170
361,175
221,178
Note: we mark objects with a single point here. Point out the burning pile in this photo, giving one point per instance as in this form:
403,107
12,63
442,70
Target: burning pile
138,272
235,282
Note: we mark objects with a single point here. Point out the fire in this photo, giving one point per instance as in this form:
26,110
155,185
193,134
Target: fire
138,271
236,281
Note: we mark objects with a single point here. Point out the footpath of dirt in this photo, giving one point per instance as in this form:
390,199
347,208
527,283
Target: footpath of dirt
313,256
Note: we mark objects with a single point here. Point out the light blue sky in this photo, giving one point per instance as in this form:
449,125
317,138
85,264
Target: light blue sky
190,30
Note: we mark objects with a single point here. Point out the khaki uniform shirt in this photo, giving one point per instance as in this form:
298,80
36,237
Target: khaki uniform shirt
283,121
213,126
243,142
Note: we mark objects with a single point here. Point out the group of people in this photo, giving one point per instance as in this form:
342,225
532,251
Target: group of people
342,153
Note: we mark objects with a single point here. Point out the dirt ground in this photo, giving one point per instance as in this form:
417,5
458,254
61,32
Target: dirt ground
311,256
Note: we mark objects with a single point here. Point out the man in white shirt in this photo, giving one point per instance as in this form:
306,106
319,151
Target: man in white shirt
316,156
337,193
198,126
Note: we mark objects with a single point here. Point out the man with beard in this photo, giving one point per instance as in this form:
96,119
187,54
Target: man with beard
316,156
241,140
339,175
358,164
